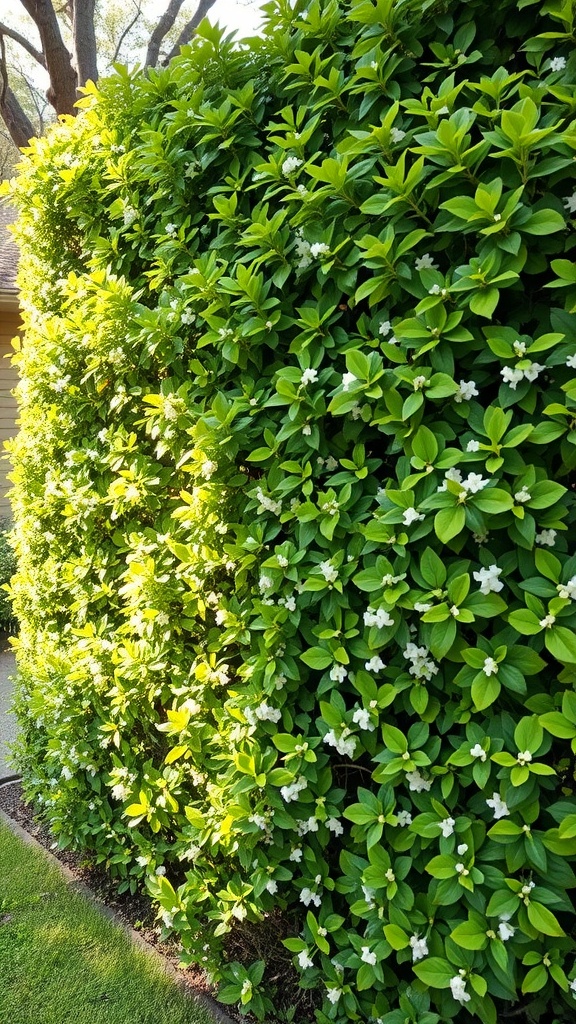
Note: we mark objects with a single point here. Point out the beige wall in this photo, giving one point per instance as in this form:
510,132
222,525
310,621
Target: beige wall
9,325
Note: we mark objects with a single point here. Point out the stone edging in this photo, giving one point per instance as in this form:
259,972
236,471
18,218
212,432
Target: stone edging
206,1001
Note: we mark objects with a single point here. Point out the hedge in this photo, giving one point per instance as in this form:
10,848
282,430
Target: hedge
294,489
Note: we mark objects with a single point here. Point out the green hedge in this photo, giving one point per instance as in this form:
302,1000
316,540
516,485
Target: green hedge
294,491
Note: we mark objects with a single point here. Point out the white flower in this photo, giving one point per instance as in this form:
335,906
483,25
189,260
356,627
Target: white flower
422,666
453,474
533,370
571,360
461,869
309,376
307,430
378,617
462,849
505,930
547,621
265,583
345,744
524,757
338,673
404,818
467,390
425,262
304,960
498,806
567,590
519,348
396,134
367,956
308,896
328,571
419,382
546,537
296,854
497,217
435,290
570,203
319,249
171,229
161,870
386,326
478,751
347,380
272,886
511,376
442,110
458,989
208,469
422,607
291,164
419,947
473,483
490,667
361,718
557,63
488,579
473,446
573,987
447,827
292,792
375,664
334,826
268,504
522,495
410,515
417,783
265,713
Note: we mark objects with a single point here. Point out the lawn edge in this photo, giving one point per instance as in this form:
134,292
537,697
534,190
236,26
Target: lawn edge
207,1002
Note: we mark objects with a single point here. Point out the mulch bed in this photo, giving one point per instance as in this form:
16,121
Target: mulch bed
133,910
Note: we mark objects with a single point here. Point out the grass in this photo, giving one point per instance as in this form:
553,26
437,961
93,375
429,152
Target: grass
63,962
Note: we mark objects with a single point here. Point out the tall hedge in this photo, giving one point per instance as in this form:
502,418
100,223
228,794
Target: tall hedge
294,493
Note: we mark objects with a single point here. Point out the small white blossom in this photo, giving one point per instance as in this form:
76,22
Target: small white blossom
375,664
447,827
291,164
490,667
378,617
347,380
296,854
453,474
461,869
417,783
308,896
338,673
547,621
478,751
345,744
333,994
410,515
511,376
519,348
505,931
422,607
309,376
522,495
404,818
368,956
567,590
557,63
425,262
396,134
361,718
419,948
573,987
304,960
546,537
462,849
386,326
473,446
334,826
458,989
488,579
272,886
571,360
328,571
171,229
467,390
419,382
498,805
265,713
570,203
474,482
524,757
319,249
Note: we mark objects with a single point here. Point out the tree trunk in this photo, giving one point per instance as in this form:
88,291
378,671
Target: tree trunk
190,28
84,41
62,91
164,25
20,127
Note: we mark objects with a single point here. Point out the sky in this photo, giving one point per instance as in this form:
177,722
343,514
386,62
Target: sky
242,16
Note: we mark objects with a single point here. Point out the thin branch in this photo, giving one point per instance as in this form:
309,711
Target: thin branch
189,29
3,71
125,33
12,34
18,124
164,25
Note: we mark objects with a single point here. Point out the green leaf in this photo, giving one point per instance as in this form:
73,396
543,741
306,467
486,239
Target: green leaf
317,657
434,971
470,936
525,622
449,522
561,642
543,919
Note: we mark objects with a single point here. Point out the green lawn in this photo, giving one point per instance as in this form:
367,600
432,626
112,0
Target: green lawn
62,962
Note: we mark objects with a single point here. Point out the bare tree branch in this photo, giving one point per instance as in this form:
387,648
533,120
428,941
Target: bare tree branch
126,31
62,91
164,25
84,41
12,34
18,124
189,29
